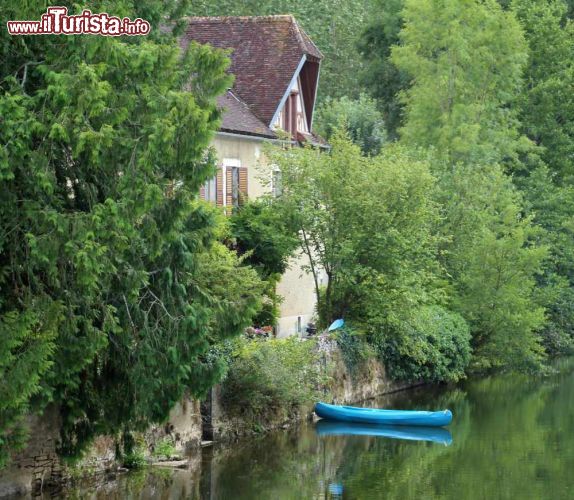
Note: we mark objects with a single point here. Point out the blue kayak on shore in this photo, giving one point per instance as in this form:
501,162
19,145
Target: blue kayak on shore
385,417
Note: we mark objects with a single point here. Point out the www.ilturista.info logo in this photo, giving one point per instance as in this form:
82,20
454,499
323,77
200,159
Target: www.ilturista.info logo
56,21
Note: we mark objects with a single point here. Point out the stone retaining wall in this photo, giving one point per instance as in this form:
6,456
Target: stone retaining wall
38,466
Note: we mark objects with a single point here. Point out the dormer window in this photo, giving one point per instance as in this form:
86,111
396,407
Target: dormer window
292,117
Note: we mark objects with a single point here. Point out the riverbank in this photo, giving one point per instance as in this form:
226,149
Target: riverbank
512,437
330,376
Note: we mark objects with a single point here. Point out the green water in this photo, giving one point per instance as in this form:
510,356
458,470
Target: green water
512,437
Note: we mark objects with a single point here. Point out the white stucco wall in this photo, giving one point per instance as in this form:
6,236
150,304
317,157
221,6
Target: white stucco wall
296,286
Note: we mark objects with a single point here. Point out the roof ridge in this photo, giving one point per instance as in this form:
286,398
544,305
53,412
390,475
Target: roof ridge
270,17
303,37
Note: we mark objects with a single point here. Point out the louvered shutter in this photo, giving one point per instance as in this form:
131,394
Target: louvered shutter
202,192
219,187
229,187
242,185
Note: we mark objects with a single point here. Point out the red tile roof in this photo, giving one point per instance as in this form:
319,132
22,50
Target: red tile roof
267,51
237,117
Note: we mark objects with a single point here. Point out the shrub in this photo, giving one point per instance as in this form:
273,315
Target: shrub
432,345
355,350
165,448
135,459
265,377
265,236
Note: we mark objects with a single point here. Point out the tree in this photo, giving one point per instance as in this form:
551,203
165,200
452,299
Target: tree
110,270
547,103
545,174
381,76
265,238
359,116
493,259
367,223
465,60
371,225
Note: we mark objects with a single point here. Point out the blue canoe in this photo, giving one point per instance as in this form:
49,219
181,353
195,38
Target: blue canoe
386,417
410,433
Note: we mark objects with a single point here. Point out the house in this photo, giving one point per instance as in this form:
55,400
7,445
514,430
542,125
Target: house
276,68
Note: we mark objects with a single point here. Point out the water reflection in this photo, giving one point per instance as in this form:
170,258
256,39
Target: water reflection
410,433
514,438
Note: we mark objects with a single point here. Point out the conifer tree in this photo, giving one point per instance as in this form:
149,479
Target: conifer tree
113,285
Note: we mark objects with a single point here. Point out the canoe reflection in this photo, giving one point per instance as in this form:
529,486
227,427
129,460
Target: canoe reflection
412,433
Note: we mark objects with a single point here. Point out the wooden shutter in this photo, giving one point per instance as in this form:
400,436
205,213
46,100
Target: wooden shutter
229,188
242,185
202,192
219,187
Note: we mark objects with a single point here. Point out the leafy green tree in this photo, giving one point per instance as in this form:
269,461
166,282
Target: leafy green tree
432,344
264,236
371,224
551,205
381,76
110,270
544,175
359,116
493,259
465,59
547,103
367,222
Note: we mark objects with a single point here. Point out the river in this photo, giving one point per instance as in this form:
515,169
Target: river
512,437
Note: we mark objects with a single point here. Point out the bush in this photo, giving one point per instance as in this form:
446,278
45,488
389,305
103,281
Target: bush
264,236
165,448
433,345
360,117
135,459
266,377
355,350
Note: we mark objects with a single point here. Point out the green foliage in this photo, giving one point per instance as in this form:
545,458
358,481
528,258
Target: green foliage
270,377
368,223
113,285
264,236
432,344
547,102
165,448
551,205
380,76
135,459
465,59
26,348
493,261
354,348
545,176
265,239
359,116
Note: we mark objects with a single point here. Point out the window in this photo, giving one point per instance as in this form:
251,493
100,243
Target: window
210,190
234,186
234,178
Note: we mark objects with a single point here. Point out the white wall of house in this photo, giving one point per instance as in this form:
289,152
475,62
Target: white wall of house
296,286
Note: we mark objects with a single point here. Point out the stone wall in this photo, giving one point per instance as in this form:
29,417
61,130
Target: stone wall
345,387
36,464
38,467
183,428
